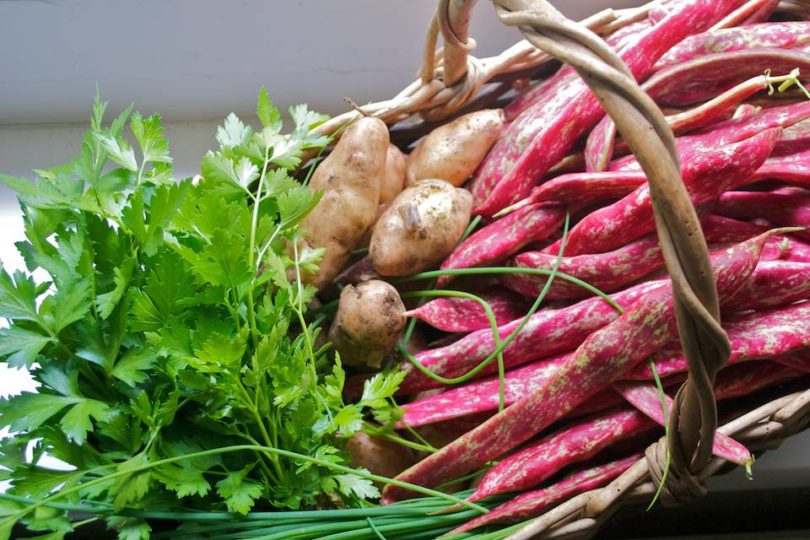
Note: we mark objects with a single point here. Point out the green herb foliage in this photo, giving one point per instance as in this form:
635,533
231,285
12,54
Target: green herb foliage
174,322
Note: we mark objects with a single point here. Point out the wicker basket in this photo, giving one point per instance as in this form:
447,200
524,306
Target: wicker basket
452,82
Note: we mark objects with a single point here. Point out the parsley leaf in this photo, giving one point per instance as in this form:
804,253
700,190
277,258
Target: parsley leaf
268,114
233,132
239,494
18,297
21,346
169,334
149,133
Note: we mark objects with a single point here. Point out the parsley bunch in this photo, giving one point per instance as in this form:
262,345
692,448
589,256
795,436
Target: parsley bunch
171,341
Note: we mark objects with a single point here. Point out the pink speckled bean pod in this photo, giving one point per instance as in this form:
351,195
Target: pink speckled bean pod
798,131
743,380
793,169
463,315
705,176
579,442
760,334
726,229
601,141
480,396
713,74
544,133
728,132
799,362
541,93
777,35
505,237
605,271
644,397
583,188
582,440
751,12
548,332
535,222
720,229
545,90
532,503
775,283
786,248
778,208
606,355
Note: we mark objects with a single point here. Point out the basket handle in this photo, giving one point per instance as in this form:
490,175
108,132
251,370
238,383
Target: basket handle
434,98
452,18
694,417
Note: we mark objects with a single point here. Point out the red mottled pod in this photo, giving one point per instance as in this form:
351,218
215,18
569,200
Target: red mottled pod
585,188
600,144
457,315
548,332
705,176
479,396
505,237
533,503
776,35
713,74
778,208
574,444
605,356
728,132
759,334
546,89
775,283
645,397
793,168
544,133
605,271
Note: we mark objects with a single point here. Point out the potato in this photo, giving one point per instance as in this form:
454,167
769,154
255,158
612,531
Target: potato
453,151
381,457
367,236
420,228
369,318
350,179
393,181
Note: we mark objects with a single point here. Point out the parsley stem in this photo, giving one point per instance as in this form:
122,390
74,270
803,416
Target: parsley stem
298,307
399,440
260,458
254,223
82,523
13,518
268,441
412,431
254,411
